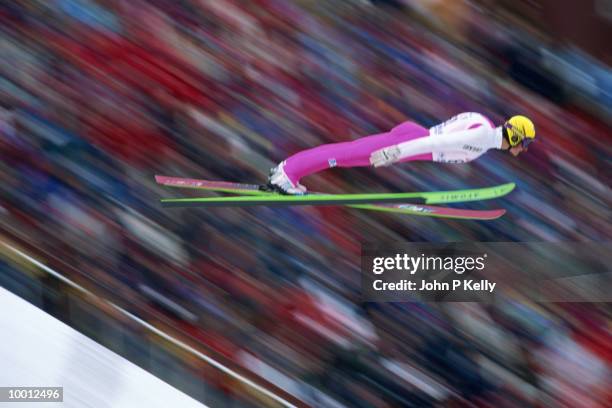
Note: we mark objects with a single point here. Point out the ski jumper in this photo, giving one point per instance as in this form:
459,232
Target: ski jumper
458,140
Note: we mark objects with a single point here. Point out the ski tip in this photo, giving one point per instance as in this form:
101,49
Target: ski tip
479,215
484,215
503,189
495,214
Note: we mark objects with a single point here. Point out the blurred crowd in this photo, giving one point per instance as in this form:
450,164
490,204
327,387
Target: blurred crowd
97,96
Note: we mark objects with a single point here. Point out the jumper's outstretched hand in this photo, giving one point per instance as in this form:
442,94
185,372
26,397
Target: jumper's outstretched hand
385,157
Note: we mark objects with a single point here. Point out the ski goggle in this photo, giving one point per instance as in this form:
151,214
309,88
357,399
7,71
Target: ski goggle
518,137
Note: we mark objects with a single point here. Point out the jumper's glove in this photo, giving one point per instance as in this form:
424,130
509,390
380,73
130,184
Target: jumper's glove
385,157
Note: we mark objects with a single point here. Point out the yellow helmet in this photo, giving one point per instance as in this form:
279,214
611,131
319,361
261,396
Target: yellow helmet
520,129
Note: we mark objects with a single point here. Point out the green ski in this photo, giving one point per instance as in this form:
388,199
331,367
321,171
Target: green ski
256,197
